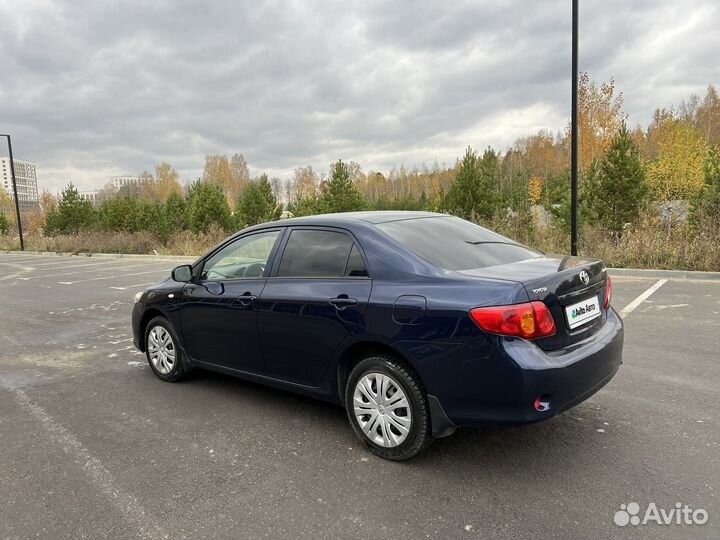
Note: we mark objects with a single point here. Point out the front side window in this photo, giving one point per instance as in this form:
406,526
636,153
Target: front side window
311,253
246,257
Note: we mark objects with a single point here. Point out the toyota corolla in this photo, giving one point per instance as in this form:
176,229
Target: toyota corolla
417,323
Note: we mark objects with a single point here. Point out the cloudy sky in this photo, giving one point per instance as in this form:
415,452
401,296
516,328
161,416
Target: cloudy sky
93,88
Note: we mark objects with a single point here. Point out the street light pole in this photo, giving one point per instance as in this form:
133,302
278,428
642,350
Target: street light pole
574,135
15,193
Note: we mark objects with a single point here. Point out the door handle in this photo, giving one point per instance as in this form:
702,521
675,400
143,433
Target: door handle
342,301
247,299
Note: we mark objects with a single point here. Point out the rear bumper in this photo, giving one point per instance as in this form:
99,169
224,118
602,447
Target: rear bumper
506,392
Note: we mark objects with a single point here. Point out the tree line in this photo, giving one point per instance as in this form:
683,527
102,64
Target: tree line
202,206
623,172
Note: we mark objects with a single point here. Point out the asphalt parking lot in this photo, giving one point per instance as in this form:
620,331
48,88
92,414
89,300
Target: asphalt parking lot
93,445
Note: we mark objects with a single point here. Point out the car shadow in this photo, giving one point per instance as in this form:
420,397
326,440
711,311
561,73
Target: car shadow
571,436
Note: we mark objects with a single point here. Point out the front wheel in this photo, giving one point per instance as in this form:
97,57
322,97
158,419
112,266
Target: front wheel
162,351
387,408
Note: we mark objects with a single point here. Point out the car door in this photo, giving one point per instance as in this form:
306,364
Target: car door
315,297
219,307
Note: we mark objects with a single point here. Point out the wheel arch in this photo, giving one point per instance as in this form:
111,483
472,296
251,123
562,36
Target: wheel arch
148,315
359,350
441,425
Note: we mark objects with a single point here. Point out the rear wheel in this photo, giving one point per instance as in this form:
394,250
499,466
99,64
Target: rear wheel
387,408
162,351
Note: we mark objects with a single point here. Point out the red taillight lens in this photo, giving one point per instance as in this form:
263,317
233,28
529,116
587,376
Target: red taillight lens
608,293
528,321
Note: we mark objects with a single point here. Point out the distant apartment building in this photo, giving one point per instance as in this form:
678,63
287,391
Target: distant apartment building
126,184
25,179
92,196
122,181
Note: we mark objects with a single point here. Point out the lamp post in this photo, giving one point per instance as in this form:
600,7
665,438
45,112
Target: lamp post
15,193
574,136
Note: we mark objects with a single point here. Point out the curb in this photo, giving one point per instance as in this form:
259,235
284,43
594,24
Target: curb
666,274
178,258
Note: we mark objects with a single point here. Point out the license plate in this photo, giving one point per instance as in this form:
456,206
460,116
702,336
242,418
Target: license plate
582,312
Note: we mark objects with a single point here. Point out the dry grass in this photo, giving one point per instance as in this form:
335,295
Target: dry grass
651,247
650,244
182,243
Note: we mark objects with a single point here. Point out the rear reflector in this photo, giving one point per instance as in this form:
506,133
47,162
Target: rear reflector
608,293
527,321
542,404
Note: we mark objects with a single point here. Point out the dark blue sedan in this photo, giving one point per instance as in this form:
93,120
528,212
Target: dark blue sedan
417,323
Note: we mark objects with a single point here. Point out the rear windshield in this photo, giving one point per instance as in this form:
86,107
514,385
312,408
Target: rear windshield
455,244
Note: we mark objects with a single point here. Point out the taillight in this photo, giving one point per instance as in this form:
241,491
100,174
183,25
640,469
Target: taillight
528,321
608,293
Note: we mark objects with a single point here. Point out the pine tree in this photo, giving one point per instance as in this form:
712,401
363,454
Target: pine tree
72,215
207,207
118,214
618,190
705,206
489,201
339,193
150,216
307,205
176,212
462,198
474,194
258,204
4,224
272,208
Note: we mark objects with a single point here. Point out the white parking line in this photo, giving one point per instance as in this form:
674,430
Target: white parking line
62,267
6,256
21,260
132,286
92,270
37,261
124,502
73,260
16,265
640,299
109,277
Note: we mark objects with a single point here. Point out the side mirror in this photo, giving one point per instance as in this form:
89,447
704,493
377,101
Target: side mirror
183,273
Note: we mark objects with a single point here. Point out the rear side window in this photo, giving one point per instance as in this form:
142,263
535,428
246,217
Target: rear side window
356,265
311,253
455,244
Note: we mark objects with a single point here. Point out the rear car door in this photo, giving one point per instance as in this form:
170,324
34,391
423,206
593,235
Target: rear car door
219,308
316,296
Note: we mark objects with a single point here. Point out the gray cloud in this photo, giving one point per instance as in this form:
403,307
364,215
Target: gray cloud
94,88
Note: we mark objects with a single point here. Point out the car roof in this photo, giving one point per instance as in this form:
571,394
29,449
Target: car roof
346,218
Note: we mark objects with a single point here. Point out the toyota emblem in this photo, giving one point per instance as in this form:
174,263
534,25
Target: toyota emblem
584,277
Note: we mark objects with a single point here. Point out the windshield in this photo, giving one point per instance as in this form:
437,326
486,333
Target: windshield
455,244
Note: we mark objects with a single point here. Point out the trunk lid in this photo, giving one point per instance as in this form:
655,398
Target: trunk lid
557,281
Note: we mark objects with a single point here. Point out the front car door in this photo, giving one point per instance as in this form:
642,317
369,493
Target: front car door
315,297
219,307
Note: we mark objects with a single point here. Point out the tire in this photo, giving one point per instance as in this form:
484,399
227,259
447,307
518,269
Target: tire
380,428
166,360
